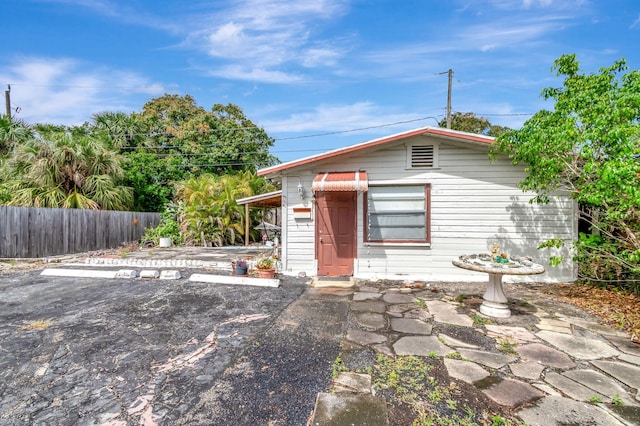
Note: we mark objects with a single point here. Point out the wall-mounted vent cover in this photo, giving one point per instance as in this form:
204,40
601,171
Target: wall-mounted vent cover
422,156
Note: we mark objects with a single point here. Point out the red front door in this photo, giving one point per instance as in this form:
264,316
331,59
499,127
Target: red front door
335,232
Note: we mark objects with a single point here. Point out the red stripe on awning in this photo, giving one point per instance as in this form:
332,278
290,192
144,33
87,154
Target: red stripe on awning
341,181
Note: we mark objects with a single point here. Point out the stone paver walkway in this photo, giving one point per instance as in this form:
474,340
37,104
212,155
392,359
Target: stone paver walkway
555,370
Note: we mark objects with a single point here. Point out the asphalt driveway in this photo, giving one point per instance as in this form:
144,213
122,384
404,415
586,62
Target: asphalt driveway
117,352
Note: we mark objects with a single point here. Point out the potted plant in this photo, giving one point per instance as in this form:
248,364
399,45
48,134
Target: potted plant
240,267
266,267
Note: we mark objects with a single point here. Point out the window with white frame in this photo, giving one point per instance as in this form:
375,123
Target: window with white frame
398,213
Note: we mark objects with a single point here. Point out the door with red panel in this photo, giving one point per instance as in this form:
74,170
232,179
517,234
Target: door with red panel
335,232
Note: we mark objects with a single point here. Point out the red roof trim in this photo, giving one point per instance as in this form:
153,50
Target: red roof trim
462,136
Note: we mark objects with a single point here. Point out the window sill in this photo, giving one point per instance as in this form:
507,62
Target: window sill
396,244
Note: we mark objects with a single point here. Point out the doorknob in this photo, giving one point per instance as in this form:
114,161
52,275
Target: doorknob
320,239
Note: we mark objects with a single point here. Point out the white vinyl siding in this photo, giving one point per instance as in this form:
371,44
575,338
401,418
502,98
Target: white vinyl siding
474,202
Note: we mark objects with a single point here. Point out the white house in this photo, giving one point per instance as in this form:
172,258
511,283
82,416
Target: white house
404,206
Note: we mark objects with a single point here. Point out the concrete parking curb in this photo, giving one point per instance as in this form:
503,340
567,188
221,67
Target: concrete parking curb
225,279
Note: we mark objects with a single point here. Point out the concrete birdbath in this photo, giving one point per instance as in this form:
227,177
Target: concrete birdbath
495,302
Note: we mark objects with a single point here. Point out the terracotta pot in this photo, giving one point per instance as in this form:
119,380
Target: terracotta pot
266,273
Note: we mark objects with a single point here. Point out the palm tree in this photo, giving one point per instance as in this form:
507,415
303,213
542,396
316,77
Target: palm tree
66,170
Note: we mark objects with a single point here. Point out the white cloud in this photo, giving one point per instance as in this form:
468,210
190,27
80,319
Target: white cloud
340,118
66,91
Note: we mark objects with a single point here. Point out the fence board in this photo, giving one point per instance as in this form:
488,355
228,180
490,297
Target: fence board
28,232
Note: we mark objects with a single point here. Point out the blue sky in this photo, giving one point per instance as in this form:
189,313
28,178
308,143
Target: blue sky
310,72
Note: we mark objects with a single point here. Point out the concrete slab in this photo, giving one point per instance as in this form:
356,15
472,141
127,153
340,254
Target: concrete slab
233,280
600,383
78,273
347,282
626,373
126,273
545,355
488,359
348,410
571,388
420,346
370,320
578,346
557,411
149,274
447,313
364,338
513,393
519,334
410,326
464,370
360,296
170,274
527,370
450,341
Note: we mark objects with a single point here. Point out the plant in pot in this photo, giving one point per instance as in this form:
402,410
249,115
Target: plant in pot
266,267
240,267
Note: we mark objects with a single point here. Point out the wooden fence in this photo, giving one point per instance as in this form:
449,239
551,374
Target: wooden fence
27,232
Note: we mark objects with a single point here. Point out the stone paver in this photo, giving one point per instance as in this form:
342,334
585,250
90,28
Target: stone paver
410,326
464,370
527,370
489,359
361,296
398,298
450,341
600,383
631,359
554,410
624,344
545,355
369,306
545,388
578,346
513,393
364,337
370,320
554,325
570,387
626,373
420,346
447,313
519,334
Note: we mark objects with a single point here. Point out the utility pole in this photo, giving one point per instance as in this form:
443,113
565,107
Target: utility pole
7,100
450,73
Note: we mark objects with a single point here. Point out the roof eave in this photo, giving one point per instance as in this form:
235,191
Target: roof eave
437,132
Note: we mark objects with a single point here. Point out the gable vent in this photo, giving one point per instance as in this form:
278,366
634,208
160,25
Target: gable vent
422,156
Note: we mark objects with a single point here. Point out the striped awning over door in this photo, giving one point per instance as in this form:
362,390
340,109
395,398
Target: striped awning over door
341,181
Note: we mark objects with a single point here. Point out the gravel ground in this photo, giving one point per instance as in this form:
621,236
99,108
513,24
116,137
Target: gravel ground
81,351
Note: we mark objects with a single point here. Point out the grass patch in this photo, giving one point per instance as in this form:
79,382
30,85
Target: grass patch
508,346
480,320
36,325
421,303
338,367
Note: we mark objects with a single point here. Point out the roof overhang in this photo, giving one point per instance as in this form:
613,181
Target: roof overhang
270,199
341,181
448,134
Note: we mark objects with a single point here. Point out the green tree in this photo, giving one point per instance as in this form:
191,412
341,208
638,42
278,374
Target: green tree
65,170
588,147
210,215
173,139
471,123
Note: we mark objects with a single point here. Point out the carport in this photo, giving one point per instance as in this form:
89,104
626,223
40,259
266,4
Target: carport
272,200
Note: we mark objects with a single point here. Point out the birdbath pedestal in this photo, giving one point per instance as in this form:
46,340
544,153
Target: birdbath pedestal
495,302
